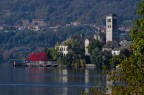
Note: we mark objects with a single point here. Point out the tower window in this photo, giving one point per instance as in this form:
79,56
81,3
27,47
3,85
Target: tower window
109,26
109,20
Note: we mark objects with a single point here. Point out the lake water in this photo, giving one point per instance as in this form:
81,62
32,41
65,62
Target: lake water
48,81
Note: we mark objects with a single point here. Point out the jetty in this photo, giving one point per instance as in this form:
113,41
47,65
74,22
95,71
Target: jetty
51,63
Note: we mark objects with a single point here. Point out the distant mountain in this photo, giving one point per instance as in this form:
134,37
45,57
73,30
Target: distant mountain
66,11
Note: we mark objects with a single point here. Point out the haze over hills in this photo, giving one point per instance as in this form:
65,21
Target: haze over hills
66,11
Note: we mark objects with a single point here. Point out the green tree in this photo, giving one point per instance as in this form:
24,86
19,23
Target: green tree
132,68
76,56
65,11
52,53
96,55
94,44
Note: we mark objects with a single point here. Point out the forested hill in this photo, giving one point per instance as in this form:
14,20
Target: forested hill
65,11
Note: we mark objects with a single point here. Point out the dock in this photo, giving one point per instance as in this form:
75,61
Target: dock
36,64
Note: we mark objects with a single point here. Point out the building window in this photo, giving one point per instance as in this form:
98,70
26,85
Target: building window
60,49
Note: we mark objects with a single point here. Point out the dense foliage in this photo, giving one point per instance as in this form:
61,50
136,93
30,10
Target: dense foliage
65,11
97,56
10,39
132,68
76,55
42,38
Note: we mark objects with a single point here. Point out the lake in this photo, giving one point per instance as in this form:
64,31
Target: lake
48,81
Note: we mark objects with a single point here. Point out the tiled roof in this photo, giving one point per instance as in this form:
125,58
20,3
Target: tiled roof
111,44
124,45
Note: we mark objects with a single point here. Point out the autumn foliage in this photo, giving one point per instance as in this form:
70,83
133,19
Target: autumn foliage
35,56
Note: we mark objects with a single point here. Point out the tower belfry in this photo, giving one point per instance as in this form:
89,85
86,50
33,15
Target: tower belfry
111,28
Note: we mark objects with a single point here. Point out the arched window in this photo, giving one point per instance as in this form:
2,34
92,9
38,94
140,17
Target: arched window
60,49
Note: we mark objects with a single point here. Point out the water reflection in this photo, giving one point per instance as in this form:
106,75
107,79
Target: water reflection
48,81
65,80
86,80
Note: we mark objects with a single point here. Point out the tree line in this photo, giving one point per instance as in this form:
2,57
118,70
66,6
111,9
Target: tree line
46,38
66,11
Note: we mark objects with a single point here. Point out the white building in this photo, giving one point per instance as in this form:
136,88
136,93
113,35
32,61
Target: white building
123,45
86,46
39,22
63,49
116,52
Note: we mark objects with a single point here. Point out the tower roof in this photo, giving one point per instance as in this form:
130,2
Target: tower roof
111,44
112,14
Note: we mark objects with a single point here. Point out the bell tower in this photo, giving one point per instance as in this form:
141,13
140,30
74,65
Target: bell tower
111,28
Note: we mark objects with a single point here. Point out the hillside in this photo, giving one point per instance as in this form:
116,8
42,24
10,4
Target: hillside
65,11
56,12
20,43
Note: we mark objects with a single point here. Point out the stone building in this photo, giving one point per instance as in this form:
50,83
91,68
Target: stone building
110,45
111,28
99,36
39,22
